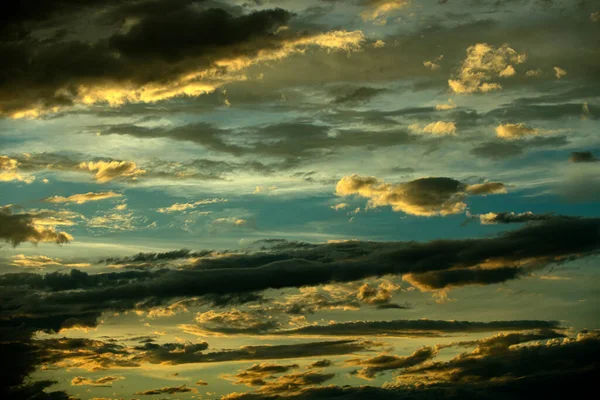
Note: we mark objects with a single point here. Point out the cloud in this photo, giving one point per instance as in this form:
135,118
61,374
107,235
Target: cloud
302,264
533,73
18,228
515,131
105,381
263,377
438,128
505,366
387,362
194,51
497,358
83,197
177,207
379,295
236,321
501,148
358,95
23,261
167,390
448,106
492,218
484,64
559,72
483,189
176,353
583,157
9,171
422,197
258,374
435,280
419,328
320,364
106,171
377,10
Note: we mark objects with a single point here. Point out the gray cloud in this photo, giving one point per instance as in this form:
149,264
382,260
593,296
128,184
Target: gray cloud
583,157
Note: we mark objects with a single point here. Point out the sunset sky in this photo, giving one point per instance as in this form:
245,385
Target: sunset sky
299,199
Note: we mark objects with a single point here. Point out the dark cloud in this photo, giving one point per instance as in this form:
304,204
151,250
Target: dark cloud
583,157
386,362
321,364
500,149
166,43
414,328
358,95
534,245
295,142
167,390
512,218
546,370
511,364
434,280
188,354
18,228
178,33
258,374
423,197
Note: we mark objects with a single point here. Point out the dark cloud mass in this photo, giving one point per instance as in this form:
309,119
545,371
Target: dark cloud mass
456,262
18,228
583,157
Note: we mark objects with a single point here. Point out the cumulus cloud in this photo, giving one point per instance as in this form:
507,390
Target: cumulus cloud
236,321
105,381
438,128
515,131
483,65
387,362
423,197
450,105
106,171
9,171
559,72
18,228
83,197
258,374
533,73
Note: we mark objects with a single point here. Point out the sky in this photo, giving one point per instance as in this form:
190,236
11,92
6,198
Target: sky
299,199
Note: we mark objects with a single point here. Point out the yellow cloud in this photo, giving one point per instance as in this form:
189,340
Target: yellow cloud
108,170
483,64
83,197
439,128
9,171
378,10
207,80
515,131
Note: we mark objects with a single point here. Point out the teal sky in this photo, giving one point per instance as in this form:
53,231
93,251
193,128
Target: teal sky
203,199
